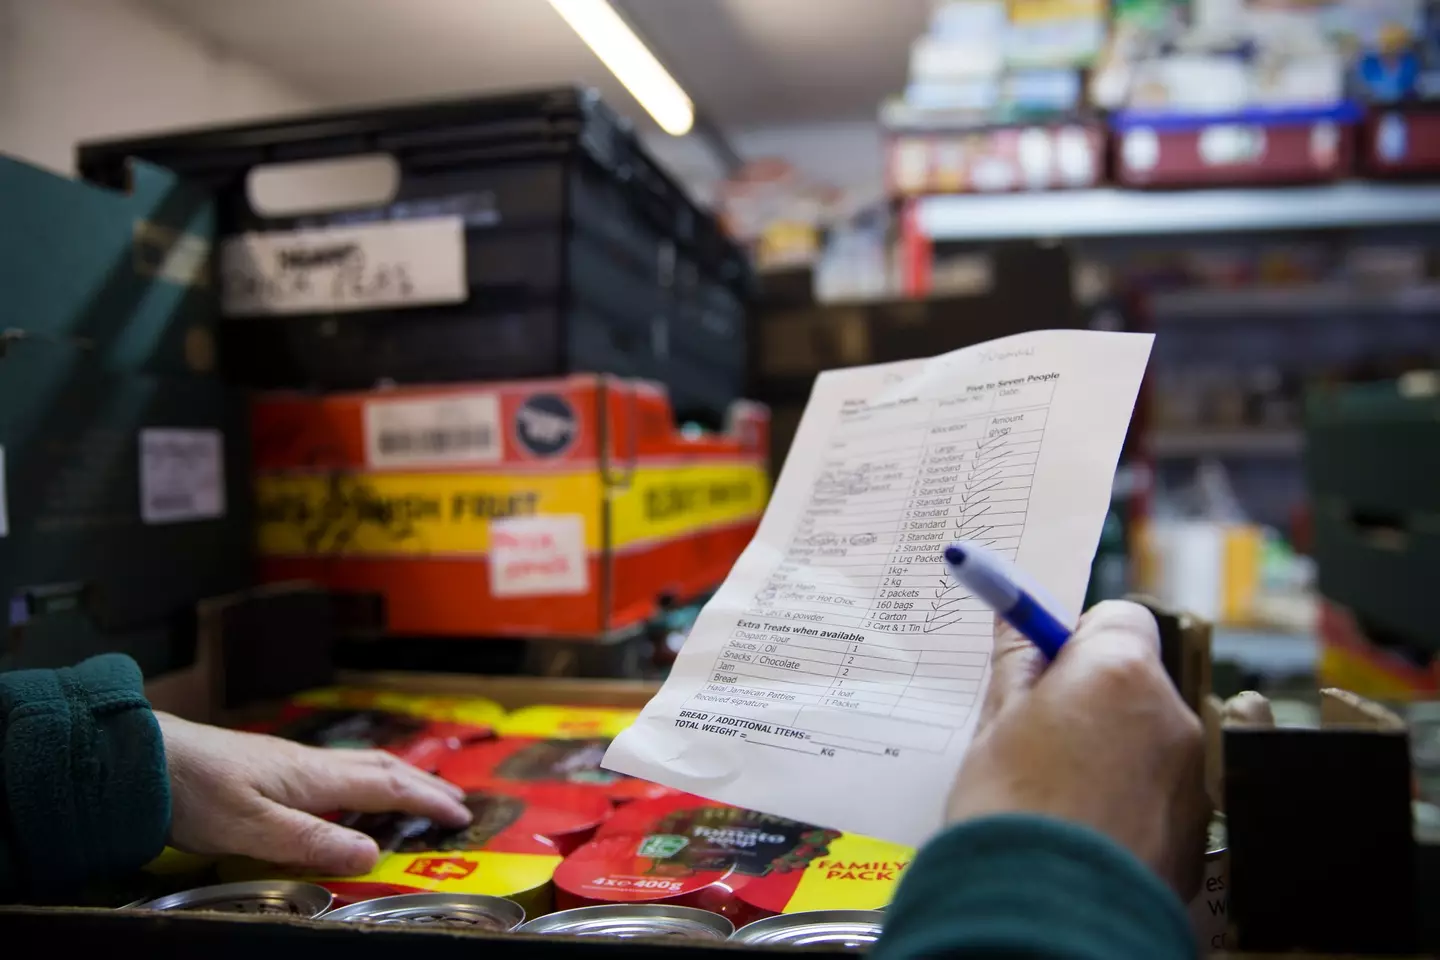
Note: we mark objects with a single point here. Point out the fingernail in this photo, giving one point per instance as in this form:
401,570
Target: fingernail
360,854
463,814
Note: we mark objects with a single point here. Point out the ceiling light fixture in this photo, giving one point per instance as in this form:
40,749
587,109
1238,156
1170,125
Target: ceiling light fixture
612,40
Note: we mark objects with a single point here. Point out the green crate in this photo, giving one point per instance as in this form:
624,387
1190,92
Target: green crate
103,349
116,278
1375,447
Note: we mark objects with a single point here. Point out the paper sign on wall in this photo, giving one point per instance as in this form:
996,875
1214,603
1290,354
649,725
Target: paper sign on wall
533,556
404,263
182,475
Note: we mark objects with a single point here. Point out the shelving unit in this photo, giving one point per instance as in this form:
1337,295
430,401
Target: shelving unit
1201,303
1116,213
1218,443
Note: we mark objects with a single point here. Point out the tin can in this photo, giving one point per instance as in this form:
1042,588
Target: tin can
827,871
851,929
685,850
1209,911
290,898
526,761
634,920
460,910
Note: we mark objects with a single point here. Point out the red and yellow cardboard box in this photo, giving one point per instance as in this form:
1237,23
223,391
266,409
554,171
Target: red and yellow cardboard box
558,508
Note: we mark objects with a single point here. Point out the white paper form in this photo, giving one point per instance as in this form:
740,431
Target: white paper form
836,676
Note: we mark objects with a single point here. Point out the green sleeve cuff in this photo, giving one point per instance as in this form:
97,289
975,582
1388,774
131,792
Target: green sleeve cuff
1020,885
86,790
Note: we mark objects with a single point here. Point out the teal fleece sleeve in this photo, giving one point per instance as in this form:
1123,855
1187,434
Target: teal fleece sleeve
1028,886
84,792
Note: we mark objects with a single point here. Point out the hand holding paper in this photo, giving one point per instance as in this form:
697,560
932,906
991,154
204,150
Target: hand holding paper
836,676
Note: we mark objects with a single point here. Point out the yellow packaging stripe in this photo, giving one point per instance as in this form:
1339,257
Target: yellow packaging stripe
483,871
662,503
565,723
858,873
418,514
429,514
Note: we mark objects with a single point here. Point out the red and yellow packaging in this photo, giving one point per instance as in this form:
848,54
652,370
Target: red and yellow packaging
511,849
829,871
414,739
553,722
685,850
523,762
560,508
475,711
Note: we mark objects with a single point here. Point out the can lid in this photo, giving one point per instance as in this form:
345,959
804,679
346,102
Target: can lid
636,868
289,897
469,910
856,929
634,920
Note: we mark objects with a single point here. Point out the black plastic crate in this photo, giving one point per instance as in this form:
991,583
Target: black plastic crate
581,255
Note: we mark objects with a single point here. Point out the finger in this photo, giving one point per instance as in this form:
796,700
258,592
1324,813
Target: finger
292,838
1111,628
1015,663
372,781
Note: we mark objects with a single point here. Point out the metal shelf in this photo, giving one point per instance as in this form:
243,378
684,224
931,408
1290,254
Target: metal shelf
1251,442
1306,299
1119,213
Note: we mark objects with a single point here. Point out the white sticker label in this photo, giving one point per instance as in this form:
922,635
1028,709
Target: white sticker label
403,263
434,432
4,512
530,556
182,475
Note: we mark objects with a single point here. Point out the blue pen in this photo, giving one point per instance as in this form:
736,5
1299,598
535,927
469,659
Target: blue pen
973,568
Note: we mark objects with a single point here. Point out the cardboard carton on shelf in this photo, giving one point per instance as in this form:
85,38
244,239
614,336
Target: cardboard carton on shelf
560,509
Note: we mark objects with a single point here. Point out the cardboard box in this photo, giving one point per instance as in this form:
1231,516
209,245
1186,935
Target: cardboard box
554,508
1254,147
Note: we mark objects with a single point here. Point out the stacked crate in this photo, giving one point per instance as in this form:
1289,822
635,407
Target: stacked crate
468,386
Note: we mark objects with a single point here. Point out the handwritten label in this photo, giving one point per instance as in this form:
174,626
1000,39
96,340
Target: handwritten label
532,556
344,268
433,432
4,512
182,475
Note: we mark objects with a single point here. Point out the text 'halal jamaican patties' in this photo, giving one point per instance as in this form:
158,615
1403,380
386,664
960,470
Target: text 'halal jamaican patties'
691,851
511,848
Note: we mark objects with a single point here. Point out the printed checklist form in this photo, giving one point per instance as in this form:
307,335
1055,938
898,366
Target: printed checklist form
836,676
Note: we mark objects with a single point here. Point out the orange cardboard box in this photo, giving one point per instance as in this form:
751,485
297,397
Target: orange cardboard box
552,508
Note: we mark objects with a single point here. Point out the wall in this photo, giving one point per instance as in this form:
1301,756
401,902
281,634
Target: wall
74,70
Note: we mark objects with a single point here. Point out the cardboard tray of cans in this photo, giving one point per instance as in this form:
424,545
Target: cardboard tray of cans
543,811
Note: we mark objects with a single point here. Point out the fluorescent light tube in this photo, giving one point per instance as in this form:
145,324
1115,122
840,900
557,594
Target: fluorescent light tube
612,40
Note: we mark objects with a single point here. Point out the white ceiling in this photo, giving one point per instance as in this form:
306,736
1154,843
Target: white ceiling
746,63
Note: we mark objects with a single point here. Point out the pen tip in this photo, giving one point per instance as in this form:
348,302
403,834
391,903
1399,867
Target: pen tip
954,554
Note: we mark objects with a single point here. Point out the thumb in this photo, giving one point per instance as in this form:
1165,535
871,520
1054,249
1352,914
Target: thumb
294,839
1014,664
1111,628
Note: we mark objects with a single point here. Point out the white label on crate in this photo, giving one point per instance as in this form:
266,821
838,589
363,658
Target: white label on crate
4,512
532,556
182,475
403,263
433,432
